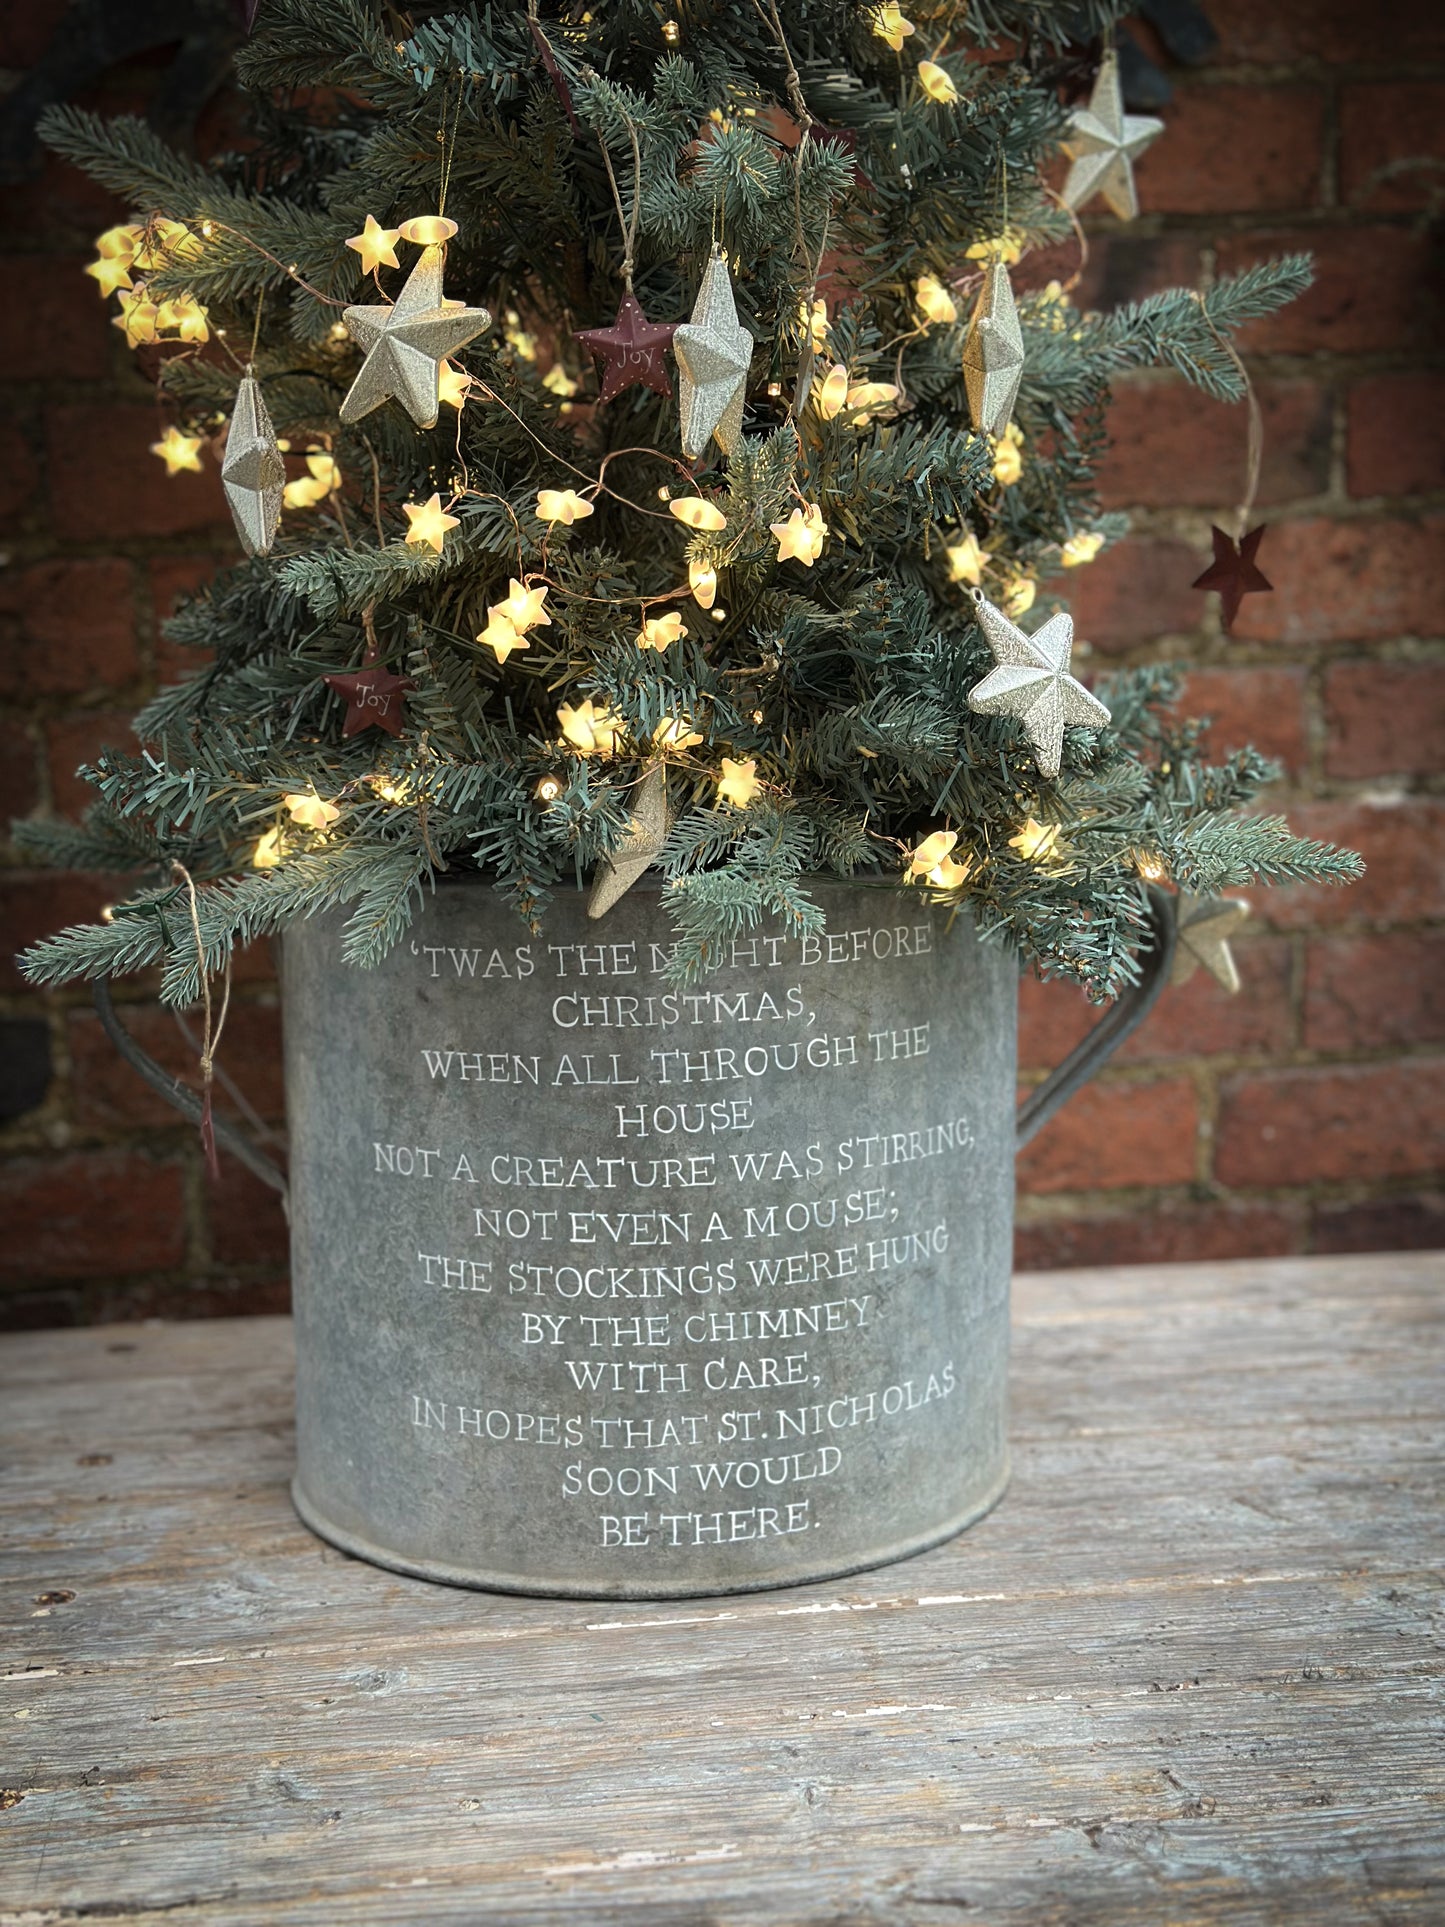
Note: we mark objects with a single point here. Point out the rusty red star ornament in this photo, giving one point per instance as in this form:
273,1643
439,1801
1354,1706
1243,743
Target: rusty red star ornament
1234,572
631,350
373,697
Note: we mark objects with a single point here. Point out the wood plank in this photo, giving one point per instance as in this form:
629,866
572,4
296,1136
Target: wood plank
1190,1669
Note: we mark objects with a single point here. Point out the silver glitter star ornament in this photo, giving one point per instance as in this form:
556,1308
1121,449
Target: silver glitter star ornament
1103,142
645,837
252,471
713,353
1205,925
406,344
993,354
1032,683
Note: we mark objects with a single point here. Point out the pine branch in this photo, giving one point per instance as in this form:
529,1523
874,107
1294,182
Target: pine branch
1223,853
846,682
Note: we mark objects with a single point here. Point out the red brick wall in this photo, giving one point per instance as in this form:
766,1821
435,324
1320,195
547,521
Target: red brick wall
1296,1117
1305,1114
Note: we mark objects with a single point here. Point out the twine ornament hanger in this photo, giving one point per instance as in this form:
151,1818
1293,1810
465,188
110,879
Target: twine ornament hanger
632,350
1234,573
812,262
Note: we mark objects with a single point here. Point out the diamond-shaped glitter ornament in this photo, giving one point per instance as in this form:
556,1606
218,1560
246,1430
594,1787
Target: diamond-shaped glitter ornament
252,471
993,354
713,353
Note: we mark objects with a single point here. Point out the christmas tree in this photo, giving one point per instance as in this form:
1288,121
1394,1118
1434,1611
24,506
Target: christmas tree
676,482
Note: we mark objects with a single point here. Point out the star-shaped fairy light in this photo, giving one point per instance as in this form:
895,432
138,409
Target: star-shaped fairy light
562,505
267,853
162,243
966,559
632,351
1204,926
935,303
427,230
427,524
1032,683
322,478
675,732
714,351
373,697
119,243
801,537
109,272
590,728
184,317
660,632
932,862
510,619
406,343
738,782
1008,457
890,23
137,317
524,606
310,811
178,451
993,353
929,853
1103,142
1234,572
453,385
501,635
376,245
252,471
1035,841
646,834
1081,548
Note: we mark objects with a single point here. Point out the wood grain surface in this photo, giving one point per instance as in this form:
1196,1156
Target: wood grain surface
1189,1672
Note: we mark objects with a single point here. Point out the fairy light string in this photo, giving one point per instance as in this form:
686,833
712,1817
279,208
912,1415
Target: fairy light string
1254,446
628,224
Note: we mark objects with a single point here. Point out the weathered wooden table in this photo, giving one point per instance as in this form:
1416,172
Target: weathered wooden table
1188,1672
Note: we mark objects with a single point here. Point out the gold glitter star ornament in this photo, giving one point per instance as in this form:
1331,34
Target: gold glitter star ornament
405,345
993,353
713,352
1205,925
252,471
1032,683
1103,142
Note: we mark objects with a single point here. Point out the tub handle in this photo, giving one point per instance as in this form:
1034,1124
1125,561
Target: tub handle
1120,1020
180,1096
